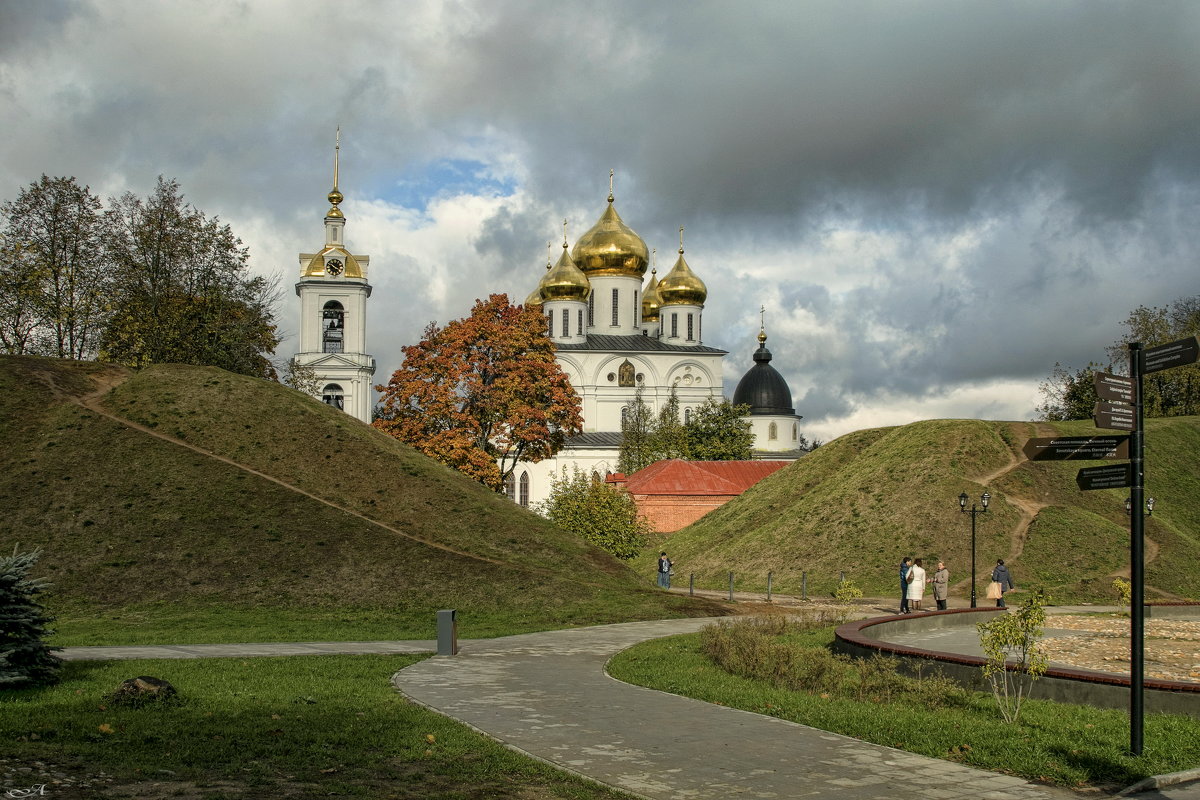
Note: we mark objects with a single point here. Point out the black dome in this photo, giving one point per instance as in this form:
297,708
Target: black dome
763,388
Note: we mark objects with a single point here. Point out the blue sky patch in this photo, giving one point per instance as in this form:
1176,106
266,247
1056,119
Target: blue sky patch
447,177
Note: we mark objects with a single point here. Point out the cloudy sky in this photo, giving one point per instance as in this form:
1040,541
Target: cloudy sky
935,201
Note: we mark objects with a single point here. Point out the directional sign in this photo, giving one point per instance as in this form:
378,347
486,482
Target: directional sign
1113,415
1077,448
1175,354
1113,387
1109,476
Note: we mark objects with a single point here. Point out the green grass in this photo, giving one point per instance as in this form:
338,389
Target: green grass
1058,743
142,538
863,501
298,727
173,623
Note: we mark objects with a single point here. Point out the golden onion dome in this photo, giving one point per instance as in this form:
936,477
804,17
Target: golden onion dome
534,298
650,299
682,286
611,247
565,281
350,266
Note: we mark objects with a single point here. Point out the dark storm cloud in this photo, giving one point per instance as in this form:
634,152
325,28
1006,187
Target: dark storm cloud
927,196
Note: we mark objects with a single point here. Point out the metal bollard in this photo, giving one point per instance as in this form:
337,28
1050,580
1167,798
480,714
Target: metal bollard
841,577
731,587
768,586
692,585
803,585
447,632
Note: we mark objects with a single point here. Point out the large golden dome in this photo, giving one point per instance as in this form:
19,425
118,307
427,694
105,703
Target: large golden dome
682,286
565,281
650,299
611,247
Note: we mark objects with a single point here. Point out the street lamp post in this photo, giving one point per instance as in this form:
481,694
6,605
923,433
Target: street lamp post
984,499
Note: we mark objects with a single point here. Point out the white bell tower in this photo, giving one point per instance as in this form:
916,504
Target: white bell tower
333,293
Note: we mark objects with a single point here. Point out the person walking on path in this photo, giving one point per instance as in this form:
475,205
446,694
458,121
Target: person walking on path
905,566
1000,575
664,570
916,585
941,585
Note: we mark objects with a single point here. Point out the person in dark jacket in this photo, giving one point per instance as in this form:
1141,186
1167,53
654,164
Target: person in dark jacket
905,566
1000,575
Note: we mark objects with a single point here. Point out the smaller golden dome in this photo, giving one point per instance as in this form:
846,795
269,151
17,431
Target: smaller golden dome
534,298
682,286
565,281
650,299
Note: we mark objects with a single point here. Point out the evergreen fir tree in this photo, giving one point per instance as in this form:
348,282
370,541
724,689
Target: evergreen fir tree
25,658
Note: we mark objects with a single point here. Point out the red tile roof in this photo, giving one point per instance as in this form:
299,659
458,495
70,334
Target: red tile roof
678,477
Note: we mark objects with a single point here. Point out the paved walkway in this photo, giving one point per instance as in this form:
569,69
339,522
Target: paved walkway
546,695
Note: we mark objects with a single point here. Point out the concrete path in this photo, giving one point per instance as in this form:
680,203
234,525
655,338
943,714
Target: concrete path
546,694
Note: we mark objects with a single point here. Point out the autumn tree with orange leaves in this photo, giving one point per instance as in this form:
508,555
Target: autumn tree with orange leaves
483,393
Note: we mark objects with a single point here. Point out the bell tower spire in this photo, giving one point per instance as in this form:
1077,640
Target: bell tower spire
333,293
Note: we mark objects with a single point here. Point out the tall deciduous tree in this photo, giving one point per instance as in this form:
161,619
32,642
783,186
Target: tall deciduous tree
1068,395
718,431
483,393
54,287
184,291
669,438
636,432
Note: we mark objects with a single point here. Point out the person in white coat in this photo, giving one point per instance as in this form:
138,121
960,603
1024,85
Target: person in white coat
916,585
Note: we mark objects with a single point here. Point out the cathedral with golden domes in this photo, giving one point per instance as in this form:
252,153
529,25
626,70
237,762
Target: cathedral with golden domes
615,332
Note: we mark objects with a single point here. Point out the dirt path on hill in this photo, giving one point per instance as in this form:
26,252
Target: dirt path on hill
114,376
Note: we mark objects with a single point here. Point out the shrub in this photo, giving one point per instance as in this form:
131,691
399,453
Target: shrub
1015,634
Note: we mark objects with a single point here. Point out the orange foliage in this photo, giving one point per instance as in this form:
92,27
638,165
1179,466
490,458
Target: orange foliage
483,393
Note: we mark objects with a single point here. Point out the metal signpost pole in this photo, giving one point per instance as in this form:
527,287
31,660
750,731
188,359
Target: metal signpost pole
1137,522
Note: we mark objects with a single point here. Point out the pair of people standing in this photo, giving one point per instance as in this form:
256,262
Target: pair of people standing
912,585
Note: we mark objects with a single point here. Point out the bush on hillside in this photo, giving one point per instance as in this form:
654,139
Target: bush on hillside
25,658
601,514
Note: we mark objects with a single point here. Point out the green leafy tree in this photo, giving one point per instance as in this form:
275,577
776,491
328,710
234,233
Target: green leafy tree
25,658
599,513
718,431
1068,395
636,433
184,293
1170,392
668,436
301,377
55,285
1016,634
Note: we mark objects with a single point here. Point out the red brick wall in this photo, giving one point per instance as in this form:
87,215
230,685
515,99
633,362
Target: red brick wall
668,514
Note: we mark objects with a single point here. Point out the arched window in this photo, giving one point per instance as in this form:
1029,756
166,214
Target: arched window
595,476
687,416
332,395
550,324
624,414
794,431
510,487
524,501
772,431
567,322
333,327
591,309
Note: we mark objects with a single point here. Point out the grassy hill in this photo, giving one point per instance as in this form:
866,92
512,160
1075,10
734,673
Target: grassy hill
865,500
161,496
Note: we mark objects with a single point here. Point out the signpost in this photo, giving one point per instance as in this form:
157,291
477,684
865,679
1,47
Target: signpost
1113,387
1173,354
1113,415
1077,448
1109,476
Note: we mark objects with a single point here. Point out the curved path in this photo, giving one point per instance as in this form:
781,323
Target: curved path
547,695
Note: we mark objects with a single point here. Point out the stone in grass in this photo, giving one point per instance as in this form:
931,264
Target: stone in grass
143,690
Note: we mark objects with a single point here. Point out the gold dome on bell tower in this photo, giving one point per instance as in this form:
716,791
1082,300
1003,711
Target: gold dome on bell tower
610,247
